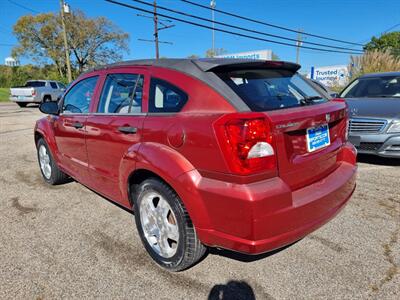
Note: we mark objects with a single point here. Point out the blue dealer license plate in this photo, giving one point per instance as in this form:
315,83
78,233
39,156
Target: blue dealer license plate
318,137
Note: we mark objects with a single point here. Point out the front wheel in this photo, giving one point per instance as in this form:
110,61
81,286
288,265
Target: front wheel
165,227
48,167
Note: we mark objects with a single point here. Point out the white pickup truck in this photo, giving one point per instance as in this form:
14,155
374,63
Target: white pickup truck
36,91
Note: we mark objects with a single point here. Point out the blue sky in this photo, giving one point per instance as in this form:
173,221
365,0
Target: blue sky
351,20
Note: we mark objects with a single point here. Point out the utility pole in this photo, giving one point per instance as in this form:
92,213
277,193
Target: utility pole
213,3
155,18
299,43
65,9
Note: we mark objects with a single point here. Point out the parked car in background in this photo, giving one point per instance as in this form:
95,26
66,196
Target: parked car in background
374,108
37,91
239,154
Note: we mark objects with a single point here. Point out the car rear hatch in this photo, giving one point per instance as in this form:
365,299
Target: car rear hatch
298,165
308,130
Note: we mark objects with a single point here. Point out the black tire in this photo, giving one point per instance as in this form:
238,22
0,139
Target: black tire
22,104
57,176
189,248
46,98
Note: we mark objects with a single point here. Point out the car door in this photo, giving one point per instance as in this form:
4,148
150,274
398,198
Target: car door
69,128
115,127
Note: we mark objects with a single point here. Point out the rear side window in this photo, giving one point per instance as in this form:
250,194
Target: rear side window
53,85
271,89
35,84
165,97
122,93
77,101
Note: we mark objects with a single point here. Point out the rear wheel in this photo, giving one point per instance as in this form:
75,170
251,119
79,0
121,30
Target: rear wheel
165,227
48,167
22,104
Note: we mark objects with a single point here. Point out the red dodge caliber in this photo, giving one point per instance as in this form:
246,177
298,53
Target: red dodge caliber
244,155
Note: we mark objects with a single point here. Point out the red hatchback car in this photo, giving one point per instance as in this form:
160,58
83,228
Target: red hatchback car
236,154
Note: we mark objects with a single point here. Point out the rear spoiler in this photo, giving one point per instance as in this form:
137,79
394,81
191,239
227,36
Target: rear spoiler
233,64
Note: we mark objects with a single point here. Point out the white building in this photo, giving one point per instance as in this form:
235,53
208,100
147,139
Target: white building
11,62
259,54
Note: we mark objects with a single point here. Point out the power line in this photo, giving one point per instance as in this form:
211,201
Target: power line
23,6
390,28
244,29
227,31
272,25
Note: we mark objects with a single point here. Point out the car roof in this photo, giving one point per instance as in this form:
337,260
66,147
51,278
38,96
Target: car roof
205,64
204,68
383,74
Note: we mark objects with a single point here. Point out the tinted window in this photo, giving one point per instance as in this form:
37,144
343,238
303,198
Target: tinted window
53,85
35,84
61,85
78,98
385,86
122,93
264,89
165,97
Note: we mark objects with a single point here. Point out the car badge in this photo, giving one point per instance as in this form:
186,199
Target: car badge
354,111
328,117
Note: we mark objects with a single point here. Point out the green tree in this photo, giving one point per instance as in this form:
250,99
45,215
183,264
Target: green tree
388,41
274,56
193,56
216,52
92,41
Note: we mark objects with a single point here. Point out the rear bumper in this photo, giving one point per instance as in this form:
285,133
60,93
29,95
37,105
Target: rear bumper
27,99
263,216
385,145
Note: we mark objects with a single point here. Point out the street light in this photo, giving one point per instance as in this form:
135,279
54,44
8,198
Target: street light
213,3
66,8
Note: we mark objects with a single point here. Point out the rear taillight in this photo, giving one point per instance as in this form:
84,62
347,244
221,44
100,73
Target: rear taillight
247,143
33,92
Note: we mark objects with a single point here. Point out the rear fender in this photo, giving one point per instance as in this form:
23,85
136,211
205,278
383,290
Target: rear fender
167,164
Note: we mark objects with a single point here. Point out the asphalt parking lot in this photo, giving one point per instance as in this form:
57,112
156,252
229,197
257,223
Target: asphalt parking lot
68,242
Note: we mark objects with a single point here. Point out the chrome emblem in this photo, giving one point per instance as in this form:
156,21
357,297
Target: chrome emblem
354,111
328,117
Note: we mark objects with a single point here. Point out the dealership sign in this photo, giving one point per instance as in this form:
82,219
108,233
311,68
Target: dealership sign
330,75
261,54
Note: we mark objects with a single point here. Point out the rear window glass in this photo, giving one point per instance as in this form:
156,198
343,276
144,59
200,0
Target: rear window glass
35,84
267,89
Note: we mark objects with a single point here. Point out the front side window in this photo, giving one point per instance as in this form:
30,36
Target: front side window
77,101
165,97
122,94
381,87
53,85
271,89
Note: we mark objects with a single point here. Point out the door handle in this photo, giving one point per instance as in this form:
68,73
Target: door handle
77,125
127,129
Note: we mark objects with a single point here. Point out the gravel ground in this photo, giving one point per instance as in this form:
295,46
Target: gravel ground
68,242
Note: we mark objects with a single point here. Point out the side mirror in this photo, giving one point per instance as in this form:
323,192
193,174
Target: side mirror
49,108
334,95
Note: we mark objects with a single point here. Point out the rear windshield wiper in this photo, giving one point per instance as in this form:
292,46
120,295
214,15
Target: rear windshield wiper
310,100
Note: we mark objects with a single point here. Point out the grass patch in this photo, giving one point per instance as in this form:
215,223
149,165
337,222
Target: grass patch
4,94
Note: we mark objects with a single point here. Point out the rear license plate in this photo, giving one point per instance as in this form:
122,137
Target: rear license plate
21,98
318,137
